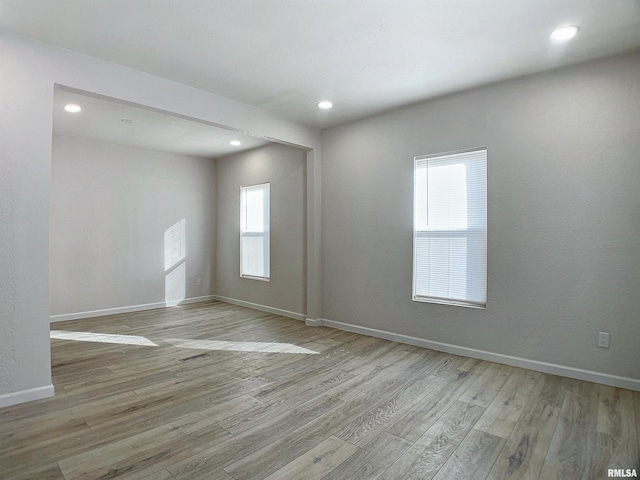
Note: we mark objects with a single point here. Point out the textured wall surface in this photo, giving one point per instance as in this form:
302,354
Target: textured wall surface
111,207
563,227
25,154
284,167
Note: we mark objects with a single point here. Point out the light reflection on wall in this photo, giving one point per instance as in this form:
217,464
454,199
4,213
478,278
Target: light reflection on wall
174,244
174,286
175,269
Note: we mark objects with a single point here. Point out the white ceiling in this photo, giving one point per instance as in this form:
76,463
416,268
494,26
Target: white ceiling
366,56
102,119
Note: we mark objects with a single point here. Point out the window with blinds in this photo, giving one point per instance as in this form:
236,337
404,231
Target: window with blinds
450,228
254,231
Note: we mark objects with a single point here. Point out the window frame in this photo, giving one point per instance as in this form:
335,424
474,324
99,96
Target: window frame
449,233
266,233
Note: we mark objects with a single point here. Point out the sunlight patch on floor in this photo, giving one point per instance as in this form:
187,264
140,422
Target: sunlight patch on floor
102,338
264,347
261,347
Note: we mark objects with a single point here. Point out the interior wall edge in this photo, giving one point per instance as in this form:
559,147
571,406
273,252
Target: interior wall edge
33,70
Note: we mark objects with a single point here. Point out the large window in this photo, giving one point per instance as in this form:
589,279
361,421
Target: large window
450,228
254,231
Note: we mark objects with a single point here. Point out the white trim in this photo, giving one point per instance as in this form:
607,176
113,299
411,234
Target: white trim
552,368
253,277
127,309
313,322
263,308
22,396
445,301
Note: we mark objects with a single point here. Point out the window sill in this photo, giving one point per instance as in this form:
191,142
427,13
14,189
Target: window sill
444,301
250,277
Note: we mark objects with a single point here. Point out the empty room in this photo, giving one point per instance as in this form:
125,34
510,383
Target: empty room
331,239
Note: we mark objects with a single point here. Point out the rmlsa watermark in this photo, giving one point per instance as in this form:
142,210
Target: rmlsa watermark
622,473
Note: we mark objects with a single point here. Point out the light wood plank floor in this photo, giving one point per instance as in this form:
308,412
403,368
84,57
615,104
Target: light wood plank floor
219,392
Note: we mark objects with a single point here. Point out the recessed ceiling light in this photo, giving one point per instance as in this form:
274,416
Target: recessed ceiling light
72,108
235,143
564,33
324,105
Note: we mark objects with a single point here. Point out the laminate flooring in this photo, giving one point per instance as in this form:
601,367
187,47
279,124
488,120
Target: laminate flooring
214,391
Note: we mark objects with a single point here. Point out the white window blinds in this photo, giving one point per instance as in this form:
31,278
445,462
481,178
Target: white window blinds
450,228
254,231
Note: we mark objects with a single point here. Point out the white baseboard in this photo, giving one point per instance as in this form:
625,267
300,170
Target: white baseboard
313,322
127,309
262,308
577,373
22,396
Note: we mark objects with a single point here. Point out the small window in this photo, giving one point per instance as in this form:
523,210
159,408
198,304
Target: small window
450,228
254,231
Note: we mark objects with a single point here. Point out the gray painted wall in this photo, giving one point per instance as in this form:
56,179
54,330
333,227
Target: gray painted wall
564,228
285,168
110,208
